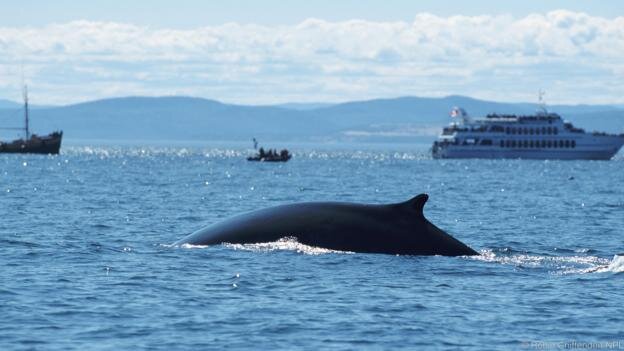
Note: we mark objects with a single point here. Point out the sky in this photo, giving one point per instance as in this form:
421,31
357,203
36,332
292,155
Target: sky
268,52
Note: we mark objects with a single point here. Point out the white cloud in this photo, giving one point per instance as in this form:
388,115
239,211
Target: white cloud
572,55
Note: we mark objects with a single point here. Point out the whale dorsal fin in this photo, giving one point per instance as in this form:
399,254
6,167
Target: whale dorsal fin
417,203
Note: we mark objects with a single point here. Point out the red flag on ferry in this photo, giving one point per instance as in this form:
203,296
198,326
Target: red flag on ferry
455,112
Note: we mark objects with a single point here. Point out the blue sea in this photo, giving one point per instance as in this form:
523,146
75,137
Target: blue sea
87,262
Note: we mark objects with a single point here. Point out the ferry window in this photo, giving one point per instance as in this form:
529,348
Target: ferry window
526,143
555,130
560,143
567,143
507,130
573,143
549,130
531,131
502,143
513,143
531,143
549,143
543,143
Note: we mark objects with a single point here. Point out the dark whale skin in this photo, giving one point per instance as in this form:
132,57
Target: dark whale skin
389,229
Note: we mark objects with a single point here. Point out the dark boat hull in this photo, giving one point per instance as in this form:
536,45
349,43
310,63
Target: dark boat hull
268,159
48,144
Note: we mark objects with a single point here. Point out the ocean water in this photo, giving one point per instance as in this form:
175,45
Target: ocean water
86,260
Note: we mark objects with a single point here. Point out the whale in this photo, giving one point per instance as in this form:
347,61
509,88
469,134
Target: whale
399,228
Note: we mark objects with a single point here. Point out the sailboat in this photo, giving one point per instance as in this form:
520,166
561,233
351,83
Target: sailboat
32,143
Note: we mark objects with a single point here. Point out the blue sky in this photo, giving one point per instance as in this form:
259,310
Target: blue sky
262,52
197,13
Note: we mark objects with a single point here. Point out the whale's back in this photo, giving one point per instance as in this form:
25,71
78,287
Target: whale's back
397,228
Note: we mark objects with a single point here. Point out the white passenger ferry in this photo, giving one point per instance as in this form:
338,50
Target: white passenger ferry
543,135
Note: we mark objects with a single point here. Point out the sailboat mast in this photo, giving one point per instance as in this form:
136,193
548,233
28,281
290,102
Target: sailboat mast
26,112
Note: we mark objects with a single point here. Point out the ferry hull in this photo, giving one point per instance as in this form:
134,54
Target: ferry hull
527,155
603,151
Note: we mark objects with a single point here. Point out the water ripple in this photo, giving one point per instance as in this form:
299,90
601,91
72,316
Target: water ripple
84,264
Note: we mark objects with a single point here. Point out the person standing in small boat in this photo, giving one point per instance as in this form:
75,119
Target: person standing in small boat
269,156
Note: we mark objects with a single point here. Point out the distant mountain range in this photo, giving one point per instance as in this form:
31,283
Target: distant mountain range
8,104
304,106
196,119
